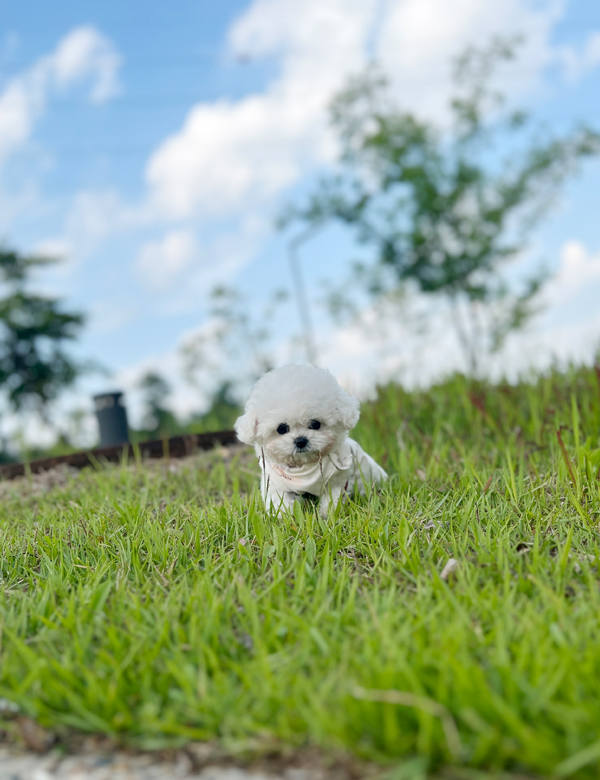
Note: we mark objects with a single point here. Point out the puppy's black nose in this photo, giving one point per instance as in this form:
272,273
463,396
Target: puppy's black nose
301,442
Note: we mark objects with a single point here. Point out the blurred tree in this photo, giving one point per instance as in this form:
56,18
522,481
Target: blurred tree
34,367
221,414
235,348
445,209
158,419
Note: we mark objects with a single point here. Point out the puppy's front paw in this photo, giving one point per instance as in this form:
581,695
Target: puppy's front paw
281,503
324,508
329,501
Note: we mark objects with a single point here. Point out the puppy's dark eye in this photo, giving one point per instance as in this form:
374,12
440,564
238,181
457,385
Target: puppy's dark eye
314,425
283,428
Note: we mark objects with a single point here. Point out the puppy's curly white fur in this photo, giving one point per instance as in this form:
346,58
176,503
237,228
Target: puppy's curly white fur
297,418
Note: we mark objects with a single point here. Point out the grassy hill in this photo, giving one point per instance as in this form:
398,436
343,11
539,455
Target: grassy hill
159,604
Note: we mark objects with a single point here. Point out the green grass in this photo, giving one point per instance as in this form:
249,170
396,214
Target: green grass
160,605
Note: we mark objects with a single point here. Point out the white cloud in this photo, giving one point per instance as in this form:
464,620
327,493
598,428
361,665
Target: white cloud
196,267
87,54
385,343
231,156
410,339
219,258
234,158
361,360
160,263
94,216
83,54
55,248
573,337
579,271
421,38
578,61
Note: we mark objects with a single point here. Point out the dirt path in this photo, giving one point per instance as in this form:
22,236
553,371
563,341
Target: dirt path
191,763
29,766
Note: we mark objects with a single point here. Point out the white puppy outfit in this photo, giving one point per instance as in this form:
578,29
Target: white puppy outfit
337,473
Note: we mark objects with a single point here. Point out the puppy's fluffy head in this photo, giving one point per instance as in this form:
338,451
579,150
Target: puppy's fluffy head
297,414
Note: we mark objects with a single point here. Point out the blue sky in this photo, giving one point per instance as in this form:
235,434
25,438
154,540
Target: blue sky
151,145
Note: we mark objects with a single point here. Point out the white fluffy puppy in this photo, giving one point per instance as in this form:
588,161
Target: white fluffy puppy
297,418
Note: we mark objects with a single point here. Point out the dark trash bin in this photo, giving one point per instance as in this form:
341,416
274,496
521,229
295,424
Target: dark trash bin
112,419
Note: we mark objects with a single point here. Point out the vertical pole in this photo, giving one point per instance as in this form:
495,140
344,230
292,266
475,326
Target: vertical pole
301,297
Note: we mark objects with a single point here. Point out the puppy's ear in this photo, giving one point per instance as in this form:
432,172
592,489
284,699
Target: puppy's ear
246,428
349,408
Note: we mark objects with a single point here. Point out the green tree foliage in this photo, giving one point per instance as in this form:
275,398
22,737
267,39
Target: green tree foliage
446,208
158,419
34,366
160,422
221,414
